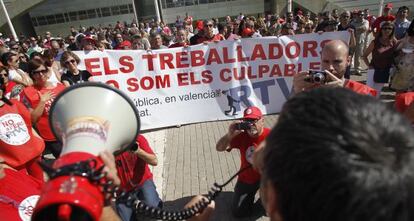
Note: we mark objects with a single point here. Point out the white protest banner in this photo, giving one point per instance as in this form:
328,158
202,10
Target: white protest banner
208,82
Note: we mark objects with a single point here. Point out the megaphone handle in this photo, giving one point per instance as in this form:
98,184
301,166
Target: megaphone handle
157,213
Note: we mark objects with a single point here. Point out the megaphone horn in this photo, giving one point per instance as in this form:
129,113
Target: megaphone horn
88,118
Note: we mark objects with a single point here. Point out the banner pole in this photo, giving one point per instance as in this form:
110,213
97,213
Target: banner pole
9,21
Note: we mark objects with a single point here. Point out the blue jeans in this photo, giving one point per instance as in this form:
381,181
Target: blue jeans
146,193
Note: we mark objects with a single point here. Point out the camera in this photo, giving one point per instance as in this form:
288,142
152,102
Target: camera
243,126
317,77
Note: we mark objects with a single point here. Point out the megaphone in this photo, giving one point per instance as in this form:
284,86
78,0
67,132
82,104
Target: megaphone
88,118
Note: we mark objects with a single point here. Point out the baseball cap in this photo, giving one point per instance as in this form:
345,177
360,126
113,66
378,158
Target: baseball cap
388,5
252,113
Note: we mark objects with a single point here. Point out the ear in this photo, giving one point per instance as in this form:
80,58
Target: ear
348,60
269,196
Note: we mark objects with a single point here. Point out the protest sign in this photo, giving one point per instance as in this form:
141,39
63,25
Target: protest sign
209,82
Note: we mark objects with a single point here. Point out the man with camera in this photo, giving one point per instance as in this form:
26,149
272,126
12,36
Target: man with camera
245,135
334,61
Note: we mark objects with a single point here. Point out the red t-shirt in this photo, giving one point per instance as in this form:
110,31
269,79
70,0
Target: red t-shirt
19,194
18,145
31,99
177,45
403,101
247,145
132,170
214,38
379,20
360,88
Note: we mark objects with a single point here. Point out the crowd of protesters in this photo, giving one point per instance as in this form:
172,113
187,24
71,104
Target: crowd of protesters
36,69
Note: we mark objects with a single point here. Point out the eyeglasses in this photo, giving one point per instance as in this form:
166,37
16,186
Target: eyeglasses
42,72
73,61
387,28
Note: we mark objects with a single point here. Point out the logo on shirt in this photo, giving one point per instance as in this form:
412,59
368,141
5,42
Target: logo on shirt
249,154
13,130
26,207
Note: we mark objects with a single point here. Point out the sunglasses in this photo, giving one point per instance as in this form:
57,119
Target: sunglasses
70,61
387,28
251,121
43,72
208,25
15,48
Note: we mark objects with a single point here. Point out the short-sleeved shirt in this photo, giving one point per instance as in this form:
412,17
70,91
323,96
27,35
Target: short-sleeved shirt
360,88
401,28
75,79
31,99
246,146
132,170
19,193
18,145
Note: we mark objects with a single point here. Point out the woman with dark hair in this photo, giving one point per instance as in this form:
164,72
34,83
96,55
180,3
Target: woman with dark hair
382,49
73,75
38,99
53,66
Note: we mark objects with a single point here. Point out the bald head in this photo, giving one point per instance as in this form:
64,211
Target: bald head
337,46
335,57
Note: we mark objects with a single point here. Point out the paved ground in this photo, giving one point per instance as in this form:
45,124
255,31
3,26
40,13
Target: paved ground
189,164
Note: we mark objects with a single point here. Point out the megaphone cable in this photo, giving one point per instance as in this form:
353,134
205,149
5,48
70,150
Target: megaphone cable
157,213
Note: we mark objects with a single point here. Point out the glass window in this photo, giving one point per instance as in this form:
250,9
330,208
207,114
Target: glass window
131,9
91,13
34,21
42,20
51,19
66,15
105,12
82,15
73,16
124,9
98,12
115,10
60,18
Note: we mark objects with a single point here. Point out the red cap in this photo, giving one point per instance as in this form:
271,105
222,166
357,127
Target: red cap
252,113
89,39
124,44
200,25
388,5
248,32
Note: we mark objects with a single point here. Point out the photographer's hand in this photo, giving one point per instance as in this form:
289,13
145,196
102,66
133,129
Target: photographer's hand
224,141
333,80
300,84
